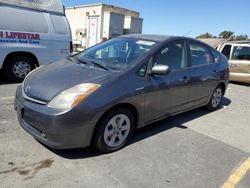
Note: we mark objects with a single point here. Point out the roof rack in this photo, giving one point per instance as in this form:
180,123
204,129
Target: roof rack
239,41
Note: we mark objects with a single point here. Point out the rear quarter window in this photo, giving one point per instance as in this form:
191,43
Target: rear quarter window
59,24
15,19
216,56
226,51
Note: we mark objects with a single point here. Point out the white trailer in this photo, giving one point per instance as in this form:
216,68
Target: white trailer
94,23
112,25
133,25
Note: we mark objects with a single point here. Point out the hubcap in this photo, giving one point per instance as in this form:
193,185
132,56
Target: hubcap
117,130
21,69
216,98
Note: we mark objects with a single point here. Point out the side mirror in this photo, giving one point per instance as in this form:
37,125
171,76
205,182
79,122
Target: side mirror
160,70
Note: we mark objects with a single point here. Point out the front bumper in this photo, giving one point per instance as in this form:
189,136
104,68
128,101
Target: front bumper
56,129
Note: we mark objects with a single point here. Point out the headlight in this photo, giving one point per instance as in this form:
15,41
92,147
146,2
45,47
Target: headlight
73,96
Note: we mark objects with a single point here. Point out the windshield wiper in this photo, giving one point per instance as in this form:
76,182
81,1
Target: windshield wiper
69,57
88,61
99,65
77,59
81,61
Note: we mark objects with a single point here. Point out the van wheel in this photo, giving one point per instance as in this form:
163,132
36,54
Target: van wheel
17,68
114,130
215,100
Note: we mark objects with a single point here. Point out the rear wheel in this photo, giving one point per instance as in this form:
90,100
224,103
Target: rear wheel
114,130
216,98
17,68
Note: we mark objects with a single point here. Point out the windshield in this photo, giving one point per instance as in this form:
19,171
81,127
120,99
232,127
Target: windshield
117,54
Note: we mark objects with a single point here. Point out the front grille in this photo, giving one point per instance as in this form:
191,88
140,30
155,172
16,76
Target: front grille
34,130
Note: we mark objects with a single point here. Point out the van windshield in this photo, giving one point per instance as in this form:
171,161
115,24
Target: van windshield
43,5
117,53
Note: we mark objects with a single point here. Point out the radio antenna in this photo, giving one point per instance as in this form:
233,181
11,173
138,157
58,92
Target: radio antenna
187,33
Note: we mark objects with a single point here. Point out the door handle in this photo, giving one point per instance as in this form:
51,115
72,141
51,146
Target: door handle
215,72
185,79
232,65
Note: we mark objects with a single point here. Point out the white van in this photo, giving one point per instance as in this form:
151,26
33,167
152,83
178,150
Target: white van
32,33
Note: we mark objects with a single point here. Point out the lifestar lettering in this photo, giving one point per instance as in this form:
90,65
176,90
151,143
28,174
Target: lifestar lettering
18,35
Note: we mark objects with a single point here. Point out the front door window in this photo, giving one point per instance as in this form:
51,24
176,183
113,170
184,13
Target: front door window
173,55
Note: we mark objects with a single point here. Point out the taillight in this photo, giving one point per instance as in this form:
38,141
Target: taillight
71,47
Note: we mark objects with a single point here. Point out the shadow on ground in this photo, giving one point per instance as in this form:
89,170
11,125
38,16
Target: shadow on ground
240,83
144,133
3,80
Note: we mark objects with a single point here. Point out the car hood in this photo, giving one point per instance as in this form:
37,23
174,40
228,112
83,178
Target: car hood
47,82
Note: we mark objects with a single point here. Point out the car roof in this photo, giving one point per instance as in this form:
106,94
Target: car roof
162,38
238,42
156,38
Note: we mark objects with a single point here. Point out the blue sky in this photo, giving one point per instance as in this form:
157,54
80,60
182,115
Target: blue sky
178,17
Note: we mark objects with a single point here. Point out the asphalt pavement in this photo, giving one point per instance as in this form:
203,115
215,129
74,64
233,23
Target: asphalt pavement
196,149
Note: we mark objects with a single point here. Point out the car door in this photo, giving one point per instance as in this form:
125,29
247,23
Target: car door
167,94
204,76
240,63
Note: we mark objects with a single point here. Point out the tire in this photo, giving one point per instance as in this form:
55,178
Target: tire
216,99
114,130
17,68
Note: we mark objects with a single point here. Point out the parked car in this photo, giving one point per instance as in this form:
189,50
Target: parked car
101,95
238,54
32,35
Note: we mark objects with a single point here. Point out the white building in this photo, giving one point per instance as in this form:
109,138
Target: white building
94,23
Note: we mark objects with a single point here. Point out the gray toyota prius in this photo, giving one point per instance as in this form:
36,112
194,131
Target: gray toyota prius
102,95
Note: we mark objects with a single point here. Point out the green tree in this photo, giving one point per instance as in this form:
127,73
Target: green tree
205,36
227,35
241,37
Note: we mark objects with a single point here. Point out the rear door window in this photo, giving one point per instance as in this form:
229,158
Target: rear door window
59,24
200,55
241,53
226,51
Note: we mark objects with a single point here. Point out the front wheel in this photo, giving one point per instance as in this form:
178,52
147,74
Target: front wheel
17,68
215,100
114,130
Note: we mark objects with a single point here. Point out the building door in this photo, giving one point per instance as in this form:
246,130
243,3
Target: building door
93,31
